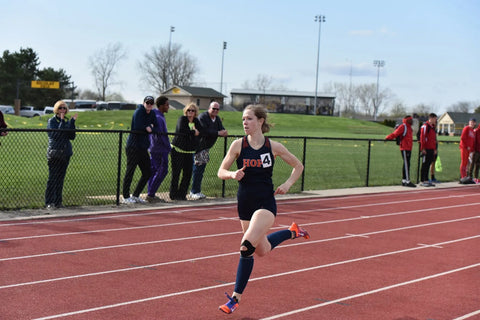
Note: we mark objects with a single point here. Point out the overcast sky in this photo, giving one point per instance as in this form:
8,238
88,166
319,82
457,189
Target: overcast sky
430,48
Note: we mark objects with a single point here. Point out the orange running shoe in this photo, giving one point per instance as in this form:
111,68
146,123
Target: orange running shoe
299,232
230,306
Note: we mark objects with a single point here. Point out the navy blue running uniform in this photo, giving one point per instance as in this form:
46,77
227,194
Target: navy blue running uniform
257,209
255,190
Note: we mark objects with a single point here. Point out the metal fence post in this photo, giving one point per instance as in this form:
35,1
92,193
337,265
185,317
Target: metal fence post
302,188
368,161
119,166
225,142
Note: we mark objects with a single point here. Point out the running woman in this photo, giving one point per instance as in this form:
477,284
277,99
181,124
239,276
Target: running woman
255,156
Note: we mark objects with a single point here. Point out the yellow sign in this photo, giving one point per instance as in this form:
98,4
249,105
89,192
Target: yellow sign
46,84
176,91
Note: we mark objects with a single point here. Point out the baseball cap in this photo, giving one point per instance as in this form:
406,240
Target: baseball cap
149,99
473,119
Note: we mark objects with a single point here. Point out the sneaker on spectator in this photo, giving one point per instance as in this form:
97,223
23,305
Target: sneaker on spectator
138,199
409,184
130,200
194,196
154,199
201,195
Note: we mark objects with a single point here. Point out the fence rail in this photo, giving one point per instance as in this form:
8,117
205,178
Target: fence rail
95,173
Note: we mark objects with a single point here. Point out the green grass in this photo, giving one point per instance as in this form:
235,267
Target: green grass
92,174
282,124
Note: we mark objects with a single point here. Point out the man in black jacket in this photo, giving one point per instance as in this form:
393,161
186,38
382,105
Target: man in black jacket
213,128
144,122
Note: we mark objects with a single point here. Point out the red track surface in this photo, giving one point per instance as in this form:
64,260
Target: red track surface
399,255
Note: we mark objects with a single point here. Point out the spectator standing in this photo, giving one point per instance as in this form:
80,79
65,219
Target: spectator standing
405,133
184,145
212,128
475,164
59,152
428,148
159,150
3,125
467,145
144,122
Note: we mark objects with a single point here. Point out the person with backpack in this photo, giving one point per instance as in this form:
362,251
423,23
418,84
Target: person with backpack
404,136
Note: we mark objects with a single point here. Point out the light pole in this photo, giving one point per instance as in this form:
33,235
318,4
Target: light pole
319,19
378,64
172,30
223,54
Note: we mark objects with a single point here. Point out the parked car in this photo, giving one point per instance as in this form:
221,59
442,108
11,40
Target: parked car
115,105
81,105
48,110
30,112
7,109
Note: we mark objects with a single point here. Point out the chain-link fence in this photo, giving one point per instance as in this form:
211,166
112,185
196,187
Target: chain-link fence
97,167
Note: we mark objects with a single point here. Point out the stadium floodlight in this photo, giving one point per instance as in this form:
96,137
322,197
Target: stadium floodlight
379,64
319,19
223,54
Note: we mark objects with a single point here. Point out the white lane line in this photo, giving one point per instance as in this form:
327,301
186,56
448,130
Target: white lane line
218,219
279,275
362,294
365,235
474,313
227,254
429,245
224,207
356,235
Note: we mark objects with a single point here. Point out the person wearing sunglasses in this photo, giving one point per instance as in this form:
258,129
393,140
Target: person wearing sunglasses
213,128
3,125
184,145
59,153
144,122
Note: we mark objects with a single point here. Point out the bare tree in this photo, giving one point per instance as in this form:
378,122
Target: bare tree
422,109
164,66
103,64
398,110
462,106
345,98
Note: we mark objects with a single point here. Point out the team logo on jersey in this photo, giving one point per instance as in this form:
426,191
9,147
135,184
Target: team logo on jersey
265,161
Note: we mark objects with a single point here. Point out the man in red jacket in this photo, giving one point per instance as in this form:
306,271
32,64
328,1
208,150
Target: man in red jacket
428,147
467,145
475,165
404,132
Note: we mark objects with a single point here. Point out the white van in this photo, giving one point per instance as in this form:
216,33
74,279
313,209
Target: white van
7,109
48,110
